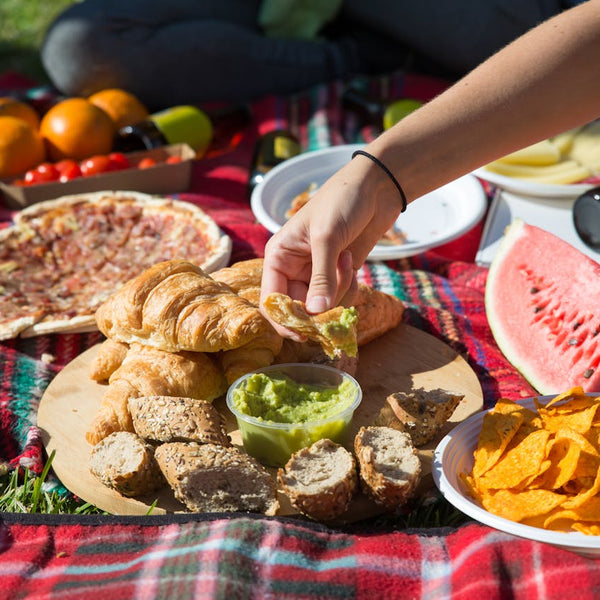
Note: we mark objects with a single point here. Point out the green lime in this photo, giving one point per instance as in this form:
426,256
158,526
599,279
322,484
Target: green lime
398,110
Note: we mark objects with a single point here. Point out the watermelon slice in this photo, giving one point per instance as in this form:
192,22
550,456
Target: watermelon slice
542,300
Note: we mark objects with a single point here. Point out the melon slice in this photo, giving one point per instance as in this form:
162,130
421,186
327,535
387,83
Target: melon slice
542,300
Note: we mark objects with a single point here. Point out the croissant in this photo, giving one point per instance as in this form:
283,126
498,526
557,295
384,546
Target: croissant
175,306
243,278
259,352
378,312
334,329
108,359
148,371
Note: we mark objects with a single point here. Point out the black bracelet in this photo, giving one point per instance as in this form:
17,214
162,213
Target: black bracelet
388,173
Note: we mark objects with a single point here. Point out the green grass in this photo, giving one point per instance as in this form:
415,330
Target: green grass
22,27
23,492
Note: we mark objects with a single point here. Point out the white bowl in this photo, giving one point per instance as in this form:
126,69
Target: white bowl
454,455
432,220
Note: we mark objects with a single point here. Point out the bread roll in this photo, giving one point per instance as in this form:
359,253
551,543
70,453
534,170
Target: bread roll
213,478
320,480
177,419
389,466
124,462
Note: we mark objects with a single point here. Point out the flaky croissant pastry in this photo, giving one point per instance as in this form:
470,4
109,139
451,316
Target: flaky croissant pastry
259,352
378,312
108,359
147,371
243,278
175,306
334,329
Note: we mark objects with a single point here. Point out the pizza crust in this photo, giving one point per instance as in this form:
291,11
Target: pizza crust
58,218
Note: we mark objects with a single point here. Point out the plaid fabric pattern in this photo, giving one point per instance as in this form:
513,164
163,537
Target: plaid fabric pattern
275,559
246,557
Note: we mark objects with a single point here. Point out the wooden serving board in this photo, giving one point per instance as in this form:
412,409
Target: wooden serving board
403,359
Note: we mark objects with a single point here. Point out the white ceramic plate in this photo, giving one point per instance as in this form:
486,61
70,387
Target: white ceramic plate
525,187
454,455
434,219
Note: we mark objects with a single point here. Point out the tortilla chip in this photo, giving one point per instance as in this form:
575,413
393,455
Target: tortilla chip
541,468
520,505
520,463
498,428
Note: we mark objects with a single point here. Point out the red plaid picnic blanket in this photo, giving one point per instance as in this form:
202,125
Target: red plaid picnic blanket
240,556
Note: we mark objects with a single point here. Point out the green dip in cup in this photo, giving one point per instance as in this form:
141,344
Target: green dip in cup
283,408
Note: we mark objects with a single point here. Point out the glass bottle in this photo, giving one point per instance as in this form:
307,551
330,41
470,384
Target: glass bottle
270,150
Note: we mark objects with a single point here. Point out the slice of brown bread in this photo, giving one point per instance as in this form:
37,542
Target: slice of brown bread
177,419
320,480
215,478
419,412
389,466
125,462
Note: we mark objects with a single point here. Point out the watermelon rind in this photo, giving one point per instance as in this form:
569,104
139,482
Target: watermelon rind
542,301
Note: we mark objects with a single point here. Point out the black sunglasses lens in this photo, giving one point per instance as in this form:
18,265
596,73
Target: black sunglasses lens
586,217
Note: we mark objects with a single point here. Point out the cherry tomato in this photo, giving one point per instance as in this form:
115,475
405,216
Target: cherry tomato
173,160
95,165
43,173
119,161
68,169
146,163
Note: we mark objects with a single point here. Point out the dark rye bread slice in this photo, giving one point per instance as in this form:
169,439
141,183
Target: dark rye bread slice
389,467
125,462
320,480
420,413
214,478
177,419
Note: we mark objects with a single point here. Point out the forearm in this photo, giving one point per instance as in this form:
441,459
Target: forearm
546,82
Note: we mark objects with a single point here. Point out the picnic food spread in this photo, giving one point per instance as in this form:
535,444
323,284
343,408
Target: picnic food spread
540,317
540,467
168,330
62,258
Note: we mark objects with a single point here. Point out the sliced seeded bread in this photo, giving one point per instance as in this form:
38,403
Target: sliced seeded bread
389,466
125,462
177,419
420,413
320,480
215,478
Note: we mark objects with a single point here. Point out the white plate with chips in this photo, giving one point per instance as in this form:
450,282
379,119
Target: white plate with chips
454,455
434,219
535,189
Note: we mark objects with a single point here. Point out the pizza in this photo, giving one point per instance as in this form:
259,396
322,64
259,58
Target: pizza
62,258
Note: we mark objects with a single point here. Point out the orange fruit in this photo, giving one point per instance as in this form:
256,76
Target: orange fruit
121,106
21,110
75,128
21,147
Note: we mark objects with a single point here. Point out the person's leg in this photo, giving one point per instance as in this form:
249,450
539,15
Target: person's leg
167,55
456,35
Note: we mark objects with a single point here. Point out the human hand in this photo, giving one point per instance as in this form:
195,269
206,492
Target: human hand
315,255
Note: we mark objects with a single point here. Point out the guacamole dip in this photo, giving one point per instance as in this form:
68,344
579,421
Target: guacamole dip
279,399
342,332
